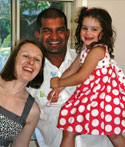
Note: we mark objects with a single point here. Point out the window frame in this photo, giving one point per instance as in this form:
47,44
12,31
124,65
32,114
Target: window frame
15,17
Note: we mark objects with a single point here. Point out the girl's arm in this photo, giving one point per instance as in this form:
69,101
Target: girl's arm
73,68
24,137
90,63
54,94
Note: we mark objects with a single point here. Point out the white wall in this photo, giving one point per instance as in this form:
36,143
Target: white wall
116,8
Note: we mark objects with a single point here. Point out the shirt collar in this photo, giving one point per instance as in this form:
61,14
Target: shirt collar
68,58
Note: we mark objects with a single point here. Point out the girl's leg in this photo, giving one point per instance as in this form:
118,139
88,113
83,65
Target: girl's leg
117,140
68,139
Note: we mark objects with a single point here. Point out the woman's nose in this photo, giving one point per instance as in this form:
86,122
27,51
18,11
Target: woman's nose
31,60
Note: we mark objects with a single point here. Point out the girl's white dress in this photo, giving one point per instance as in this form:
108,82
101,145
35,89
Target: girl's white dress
97,107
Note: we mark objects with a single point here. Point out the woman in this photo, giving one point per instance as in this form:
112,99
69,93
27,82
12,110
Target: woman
19,113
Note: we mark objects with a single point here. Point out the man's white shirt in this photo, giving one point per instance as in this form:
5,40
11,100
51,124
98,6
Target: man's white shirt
47,134
51,135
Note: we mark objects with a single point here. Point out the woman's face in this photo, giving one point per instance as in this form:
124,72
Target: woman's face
90,30
28,62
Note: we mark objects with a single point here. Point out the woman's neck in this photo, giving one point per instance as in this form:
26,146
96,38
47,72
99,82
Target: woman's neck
14,87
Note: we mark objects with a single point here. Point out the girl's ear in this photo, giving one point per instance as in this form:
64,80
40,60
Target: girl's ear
37,35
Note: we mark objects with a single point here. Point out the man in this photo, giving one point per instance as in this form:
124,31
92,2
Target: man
53,34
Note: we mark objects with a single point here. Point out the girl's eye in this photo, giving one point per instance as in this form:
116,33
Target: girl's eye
94,29
84,28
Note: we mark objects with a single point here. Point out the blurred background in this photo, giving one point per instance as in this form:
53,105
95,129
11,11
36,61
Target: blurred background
17,21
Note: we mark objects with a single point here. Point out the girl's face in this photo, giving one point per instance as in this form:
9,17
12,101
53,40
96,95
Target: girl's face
90,30
28,62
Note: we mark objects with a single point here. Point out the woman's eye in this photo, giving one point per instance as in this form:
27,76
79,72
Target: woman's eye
26,56
36,59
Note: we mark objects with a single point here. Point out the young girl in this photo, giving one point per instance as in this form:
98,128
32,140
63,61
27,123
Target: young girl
97,107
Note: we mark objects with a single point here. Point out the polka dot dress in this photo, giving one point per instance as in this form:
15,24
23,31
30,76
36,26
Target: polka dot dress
97,107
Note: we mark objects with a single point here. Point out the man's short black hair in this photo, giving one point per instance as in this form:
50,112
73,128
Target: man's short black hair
50,13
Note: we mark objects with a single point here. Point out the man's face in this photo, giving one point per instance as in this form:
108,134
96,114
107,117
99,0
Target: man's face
54,35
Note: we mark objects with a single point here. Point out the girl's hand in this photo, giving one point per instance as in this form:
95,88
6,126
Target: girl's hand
54,94
54,82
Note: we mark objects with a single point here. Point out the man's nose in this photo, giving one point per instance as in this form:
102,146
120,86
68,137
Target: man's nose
54,35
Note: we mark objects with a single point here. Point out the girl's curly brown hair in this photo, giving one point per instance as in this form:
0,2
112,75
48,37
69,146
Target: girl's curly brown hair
108,34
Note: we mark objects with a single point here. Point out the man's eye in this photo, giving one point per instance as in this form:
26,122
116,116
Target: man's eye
61,30
46,31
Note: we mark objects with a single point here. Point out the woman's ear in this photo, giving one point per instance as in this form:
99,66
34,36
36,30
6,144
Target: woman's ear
37,35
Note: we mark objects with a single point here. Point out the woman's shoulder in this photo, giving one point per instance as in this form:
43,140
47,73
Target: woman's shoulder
35,110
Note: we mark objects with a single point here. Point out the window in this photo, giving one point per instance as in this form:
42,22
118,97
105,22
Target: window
28,14
31,8
18,21
5,31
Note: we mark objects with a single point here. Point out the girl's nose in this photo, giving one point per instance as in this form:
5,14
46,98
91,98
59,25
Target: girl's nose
87,32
